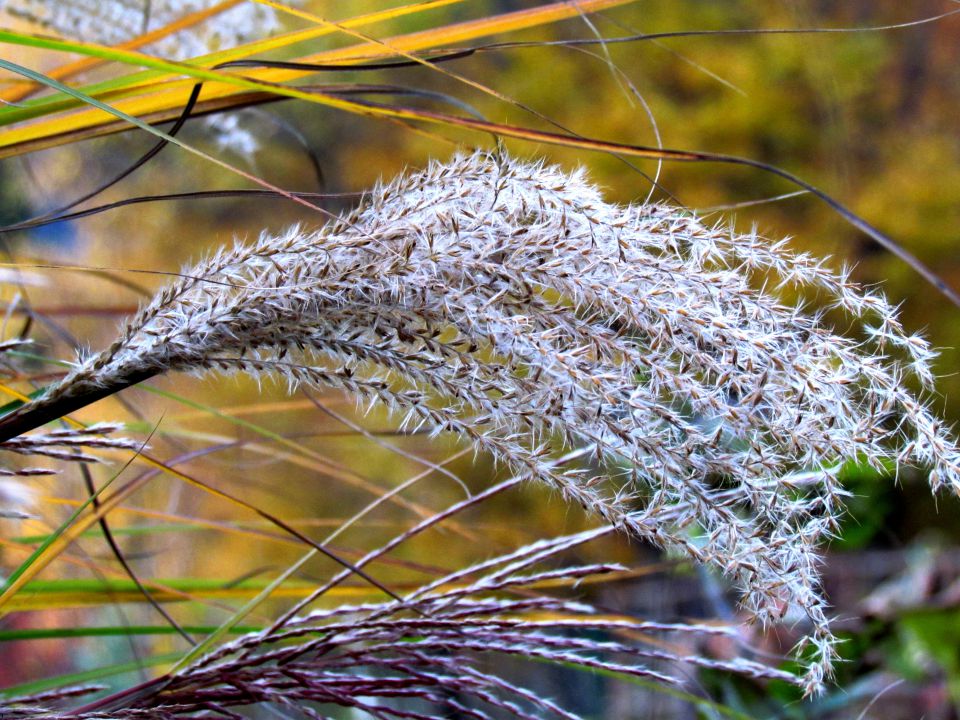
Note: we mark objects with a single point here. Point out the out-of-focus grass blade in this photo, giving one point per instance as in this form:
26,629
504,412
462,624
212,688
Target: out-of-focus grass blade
28,568
77,97
59,594
309,458
107,571
277,588
61,538
277,42
197,67
177,528
75,526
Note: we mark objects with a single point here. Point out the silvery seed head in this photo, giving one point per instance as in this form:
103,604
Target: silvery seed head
508,303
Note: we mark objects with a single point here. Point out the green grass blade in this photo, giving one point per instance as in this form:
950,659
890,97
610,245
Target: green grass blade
118,631
86,676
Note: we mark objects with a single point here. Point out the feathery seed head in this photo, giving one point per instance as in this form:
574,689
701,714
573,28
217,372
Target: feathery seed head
508,303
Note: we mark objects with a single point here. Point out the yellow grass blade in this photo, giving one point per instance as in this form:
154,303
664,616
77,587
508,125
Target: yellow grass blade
24,89
160,591
265,531
71,533
392,49
30,600
88,63
277,42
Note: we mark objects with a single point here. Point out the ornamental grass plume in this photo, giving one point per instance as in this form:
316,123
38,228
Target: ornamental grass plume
507,303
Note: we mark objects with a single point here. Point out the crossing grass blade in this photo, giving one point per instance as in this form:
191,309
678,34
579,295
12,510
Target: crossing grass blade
159,94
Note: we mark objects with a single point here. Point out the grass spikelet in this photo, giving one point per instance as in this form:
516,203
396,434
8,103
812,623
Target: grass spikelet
508,303
428,657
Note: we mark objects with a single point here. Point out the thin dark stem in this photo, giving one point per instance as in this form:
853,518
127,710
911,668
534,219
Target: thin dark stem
117,699
121,558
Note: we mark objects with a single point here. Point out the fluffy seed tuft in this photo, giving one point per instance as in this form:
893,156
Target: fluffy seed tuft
508,303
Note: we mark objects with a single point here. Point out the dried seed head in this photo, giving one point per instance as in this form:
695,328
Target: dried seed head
508,303
434,648
67,444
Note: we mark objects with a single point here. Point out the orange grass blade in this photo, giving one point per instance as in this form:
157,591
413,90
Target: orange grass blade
392,49
69,534
172,97
248,529
88,63
23,90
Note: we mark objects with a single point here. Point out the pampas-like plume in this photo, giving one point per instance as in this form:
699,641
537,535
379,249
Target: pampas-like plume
508,303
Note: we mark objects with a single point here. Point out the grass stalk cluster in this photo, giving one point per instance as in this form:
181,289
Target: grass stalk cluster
508,303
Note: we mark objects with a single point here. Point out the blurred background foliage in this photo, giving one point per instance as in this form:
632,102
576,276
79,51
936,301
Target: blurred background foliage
870,117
